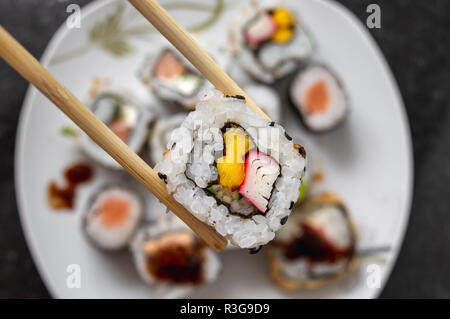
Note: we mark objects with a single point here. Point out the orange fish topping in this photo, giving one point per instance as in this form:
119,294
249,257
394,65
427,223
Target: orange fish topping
169,66
121,129
114,212
317,97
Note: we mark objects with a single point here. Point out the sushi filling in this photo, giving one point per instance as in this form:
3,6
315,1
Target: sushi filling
245,176
175,257
261,172
276,26
170,71
119,116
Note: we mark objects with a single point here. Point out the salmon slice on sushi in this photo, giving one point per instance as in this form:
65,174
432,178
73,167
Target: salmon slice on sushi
233,170
113,215
319,98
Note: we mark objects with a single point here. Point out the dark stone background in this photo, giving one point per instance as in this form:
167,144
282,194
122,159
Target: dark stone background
415,40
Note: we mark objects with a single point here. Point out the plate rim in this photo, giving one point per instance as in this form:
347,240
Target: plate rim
358,25
92,7
24,117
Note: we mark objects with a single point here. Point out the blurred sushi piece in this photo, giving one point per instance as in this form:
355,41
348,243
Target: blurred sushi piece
172,78
160,135
124,115
272,42
170,257
266,98
316,247
112,217
319,97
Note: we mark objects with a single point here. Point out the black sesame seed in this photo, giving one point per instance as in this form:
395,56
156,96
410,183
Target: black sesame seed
163,177
292,205
239,97
272,124
287,136
283,220
255,250
302,151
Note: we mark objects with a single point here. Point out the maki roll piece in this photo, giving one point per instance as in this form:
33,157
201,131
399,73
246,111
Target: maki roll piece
172,78
266,98
112,217
125,116
271,43
170,257
233,170
317,246
160,135
319,97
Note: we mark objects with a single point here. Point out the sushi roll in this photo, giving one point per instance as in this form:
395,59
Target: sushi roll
316,247
266,98
169,256
112,217
319,98
160,135
272,42
233,170
124,115
172,78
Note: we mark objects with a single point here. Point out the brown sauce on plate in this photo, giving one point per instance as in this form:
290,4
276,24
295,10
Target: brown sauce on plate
63,197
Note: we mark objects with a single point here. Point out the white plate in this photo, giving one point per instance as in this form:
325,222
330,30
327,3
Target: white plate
367,161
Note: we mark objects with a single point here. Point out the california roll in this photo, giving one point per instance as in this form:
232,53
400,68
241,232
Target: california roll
272,42
233,170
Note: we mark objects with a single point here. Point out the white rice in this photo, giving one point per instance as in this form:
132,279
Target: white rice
187,174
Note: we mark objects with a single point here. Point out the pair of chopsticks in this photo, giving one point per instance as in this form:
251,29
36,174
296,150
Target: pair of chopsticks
27,66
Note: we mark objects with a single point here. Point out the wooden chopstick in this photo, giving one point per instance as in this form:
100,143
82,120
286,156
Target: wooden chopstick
181,40
25,64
